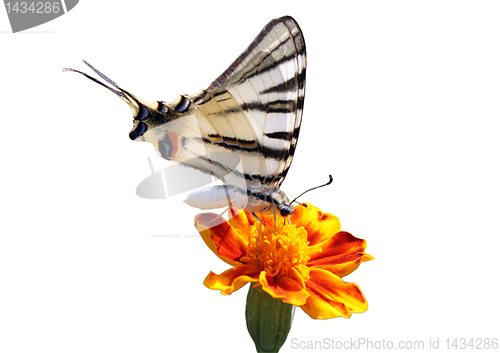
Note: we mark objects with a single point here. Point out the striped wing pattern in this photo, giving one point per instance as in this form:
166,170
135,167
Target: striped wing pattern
268,82
244,127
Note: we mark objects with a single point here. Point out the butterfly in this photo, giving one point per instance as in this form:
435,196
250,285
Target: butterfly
243,129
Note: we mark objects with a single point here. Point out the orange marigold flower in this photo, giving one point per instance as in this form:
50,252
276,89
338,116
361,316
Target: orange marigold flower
301,261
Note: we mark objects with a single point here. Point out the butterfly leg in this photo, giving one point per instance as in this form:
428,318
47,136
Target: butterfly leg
258,236
275,226
227,208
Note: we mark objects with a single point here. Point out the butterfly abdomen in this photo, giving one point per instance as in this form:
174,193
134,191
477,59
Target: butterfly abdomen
217,196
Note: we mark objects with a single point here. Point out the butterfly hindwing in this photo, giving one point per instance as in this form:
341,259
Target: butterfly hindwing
243,128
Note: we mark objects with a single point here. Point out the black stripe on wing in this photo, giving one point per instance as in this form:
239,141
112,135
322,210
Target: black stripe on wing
234,144
266,65
220,170
250,51
280,135
265,179
291,83
270,50
277,106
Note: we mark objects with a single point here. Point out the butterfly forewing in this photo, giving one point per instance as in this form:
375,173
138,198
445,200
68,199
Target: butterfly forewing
253,110
268,82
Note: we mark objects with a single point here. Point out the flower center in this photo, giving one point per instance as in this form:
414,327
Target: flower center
282,247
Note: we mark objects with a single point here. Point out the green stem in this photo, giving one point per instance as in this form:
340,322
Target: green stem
268,320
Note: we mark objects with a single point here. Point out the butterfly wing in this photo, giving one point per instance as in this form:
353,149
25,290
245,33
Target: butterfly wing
243,128
268,82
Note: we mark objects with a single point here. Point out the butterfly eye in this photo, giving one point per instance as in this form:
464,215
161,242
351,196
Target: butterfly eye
286,211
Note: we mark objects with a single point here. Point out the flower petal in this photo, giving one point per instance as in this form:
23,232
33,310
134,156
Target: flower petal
319,226
221,237
232,279
341,255
331,297
241,219
286,288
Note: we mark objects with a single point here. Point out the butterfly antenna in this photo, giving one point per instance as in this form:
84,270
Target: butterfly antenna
133,102
316,187
117,91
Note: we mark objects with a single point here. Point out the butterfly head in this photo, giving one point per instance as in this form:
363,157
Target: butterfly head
279,200
286,210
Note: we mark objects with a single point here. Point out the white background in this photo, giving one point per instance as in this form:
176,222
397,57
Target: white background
402,107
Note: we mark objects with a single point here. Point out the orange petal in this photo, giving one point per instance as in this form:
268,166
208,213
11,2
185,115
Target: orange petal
241,220
341,255
286,288
319,226
331,297
221,237
299,273
232,279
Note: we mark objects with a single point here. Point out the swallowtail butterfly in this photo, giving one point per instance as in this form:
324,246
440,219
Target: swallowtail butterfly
243,128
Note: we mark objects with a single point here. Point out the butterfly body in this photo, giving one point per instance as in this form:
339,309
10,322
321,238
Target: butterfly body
243,128
217,196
